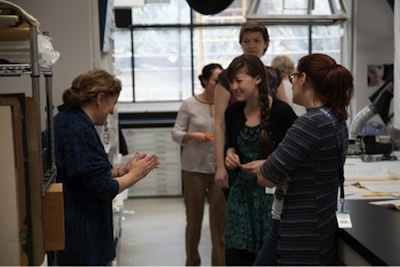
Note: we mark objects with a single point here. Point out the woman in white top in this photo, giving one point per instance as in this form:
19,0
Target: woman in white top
193,130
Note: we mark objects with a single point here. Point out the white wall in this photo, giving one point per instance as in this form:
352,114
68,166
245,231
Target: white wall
73,27
373,43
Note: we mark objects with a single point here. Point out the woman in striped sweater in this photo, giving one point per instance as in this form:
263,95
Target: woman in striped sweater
312,156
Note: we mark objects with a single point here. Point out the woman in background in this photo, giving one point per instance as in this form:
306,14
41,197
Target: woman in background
312,156
255,124
193,130
90,182
254,40
286,66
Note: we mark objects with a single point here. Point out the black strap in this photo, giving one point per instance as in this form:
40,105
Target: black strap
340,156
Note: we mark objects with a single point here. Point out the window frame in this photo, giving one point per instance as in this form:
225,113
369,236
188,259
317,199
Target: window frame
192,27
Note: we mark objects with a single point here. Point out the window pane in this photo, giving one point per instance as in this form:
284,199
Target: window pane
171,12
162,64
327,40
214,45
123,63
217,44
287,40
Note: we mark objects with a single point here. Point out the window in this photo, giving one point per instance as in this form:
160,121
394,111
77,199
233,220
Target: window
161,55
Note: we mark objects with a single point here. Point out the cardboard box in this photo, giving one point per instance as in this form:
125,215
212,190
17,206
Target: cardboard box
53,218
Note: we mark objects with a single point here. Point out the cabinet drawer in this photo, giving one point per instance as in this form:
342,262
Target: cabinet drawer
166,179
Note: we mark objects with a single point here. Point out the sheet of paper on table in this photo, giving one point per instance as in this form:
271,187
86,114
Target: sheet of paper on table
392,187
393,203
357,170
371,180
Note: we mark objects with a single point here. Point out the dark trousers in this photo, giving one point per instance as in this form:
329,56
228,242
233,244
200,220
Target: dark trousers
239,257
267,254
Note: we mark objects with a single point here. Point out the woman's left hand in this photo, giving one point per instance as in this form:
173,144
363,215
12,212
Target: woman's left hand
128,165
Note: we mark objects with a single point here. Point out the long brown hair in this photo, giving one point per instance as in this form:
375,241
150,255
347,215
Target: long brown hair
332,82
254,67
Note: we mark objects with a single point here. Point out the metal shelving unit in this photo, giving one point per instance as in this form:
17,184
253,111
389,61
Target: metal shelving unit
36,71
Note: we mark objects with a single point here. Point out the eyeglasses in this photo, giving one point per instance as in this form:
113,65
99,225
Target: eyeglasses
291,76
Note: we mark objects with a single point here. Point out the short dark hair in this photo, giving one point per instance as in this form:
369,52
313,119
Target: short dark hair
207,72
254,26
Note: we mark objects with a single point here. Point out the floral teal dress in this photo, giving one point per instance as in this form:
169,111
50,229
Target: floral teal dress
248,217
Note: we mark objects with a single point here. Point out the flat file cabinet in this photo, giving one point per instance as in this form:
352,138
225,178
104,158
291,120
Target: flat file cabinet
166,180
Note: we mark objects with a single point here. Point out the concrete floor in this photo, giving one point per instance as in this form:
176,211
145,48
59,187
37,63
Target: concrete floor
153,233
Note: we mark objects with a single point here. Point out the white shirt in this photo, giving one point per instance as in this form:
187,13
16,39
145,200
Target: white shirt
195,116
279,198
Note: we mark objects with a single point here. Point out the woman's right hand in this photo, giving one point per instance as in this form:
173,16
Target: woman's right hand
232,161
201,137
141,164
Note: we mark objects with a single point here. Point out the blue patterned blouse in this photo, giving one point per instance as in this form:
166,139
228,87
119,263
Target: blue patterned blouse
84,170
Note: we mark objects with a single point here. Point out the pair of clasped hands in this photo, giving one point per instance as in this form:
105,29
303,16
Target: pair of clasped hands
141,164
